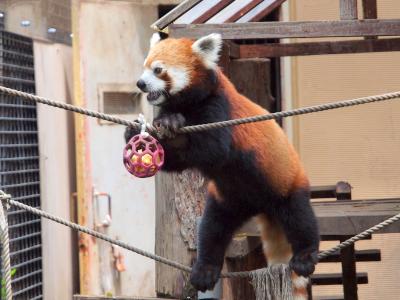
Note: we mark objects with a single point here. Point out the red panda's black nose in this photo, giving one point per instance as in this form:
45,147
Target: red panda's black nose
141,84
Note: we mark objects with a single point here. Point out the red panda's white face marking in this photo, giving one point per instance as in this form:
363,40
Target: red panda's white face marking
173,65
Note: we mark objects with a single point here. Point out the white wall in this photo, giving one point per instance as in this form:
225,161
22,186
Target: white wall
56,145
113,38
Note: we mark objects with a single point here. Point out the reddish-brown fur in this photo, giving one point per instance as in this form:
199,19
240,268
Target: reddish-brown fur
274,153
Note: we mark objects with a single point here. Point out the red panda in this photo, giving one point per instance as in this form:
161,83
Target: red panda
252,169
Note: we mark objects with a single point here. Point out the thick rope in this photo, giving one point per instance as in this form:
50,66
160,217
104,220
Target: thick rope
6,199
5,249
202,127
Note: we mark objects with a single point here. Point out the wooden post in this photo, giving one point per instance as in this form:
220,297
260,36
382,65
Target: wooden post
370,11
348,9
349,273
347,255
179,201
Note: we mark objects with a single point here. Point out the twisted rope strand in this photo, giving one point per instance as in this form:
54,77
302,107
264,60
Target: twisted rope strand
6,199
293,112
202,127
5,248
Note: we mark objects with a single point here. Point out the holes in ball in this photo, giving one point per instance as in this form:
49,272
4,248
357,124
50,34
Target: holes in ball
153,169
140,147
135,138
147,160
159,158
134,159
139,169
152,147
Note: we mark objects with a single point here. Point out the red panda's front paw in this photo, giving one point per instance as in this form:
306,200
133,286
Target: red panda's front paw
303,263
172,122
204,276
130,132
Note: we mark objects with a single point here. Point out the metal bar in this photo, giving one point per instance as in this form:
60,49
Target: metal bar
26,197
28,262
19,172
19,158
18,119
37,297
28,69
28,236
27,289
24,224
18,185
27,276
38,246
19,132
30,56
19,80
19,106
18,145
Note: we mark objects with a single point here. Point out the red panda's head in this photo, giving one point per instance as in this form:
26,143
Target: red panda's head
175,68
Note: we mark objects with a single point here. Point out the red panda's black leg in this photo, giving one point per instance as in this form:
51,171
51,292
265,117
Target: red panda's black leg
216,230
300,225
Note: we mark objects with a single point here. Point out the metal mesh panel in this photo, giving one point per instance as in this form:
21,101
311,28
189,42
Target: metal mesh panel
19,163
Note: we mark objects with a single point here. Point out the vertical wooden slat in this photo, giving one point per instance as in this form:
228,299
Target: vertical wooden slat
347,255
348,9
349,273
370,11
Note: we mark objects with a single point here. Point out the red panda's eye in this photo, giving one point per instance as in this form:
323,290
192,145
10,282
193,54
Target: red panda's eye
157,70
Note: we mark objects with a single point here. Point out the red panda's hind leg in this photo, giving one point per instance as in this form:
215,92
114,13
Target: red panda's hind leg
277,250
300,226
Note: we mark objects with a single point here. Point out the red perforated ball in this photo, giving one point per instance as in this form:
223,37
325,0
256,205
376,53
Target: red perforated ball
143,156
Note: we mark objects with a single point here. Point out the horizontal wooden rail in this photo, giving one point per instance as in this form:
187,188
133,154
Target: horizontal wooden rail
319,48
336,279
279,30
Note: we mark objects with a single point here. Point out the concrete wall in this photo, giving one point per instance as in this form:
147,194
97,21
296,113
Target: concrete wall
53,75
42,15
361,144
112,40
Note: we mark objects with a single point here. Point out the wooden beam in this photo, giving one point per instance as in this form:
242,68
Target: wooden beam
212,11
260,11
348,9
361,255
346,217
336,279
319,48
174,14
279,30
370,9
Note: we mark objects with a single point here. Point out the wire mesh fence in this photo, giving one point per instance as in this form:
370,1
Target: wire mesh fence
19,163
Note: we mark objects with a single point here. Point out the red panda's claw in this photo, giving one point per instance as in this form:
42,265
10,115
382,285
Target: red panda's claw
171,122
303,264
204,276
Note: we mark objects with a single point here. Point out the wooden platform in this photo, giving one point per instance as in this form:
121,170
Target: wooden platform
335,218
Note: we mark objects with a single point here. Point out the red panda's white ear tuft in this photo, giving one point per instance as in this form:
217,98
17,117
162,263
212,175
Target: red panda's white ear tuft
208,48
155,38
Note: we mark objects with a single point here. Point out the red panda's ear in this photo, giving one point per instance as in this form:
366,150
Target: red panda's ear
208,48
156,37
